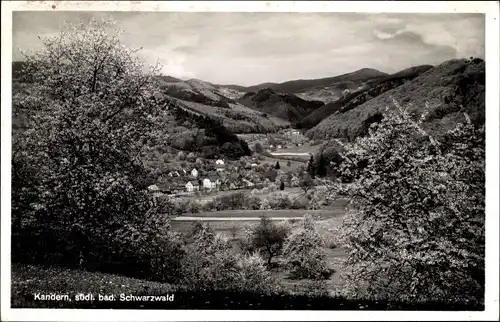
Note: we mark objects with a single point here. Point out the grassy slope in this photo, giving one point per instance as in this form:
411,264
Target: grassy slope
28,280
237,118
286,106
367,91
436,87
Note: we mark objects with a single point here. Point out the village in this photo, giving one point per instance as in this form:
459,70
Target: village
190,175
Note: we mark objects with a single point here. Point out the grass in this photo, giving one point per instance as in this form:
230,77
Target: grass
27,280
294,165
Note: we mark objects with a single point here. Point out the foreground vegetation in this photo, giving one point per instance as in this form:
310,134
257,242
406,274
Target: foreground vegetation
414,232
28,280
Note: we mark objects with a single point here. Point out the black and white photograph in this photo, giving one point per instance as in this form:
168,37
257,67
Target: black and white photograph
261,160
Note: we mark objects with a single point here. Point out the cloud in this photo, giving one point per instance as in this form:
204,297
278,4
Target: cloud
251,48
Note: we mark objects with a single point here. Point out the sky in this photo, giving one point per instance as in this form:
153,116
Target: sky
253,48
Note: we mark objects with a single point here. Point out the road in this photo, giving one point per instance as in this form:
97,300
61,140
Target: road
298,154
186,218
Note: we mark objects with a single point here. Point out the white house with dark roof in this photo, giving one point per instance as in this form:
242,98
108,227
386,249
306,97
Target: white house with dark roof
194,173
192,186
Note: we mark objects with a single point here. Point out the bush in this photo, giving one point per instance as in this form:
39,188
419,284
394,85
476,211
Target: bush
210,263
303,253
300,202
279,201
193,207
181,156
417,229
252,203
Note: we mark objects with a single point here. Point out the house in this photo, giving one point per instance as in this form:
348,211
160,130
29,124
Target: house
219,168
214,180
190,187
279,147
219,162
253,165
208,184
194,173
184,172
232,186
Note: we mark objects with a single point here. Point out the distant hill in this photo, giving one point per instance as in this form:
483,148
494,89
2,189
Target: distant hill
198,91
219,103
366,91
304,85
283,105
451,88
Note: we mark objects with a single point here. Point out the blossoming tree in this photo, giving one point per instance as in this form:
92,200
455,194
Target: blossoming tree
415,229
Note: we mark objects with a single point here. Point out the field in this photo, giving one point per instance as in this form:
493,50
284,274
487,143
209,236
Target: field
232,223
294,165
291,192
304,148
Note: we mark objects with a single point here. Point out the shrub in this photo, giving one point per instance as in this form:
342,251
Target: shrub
416,228
193,207
300,202
279,201
230,201
181,156
306,182
210,263
303,253
191,157
252,203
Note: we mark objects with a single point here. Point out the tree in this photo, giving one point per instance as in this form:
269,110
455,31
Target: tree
306,182
181,156
277,166
258,147
191,157
288,163
416,227
282,186
91,111
321,168
268,238
310,166
303,252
